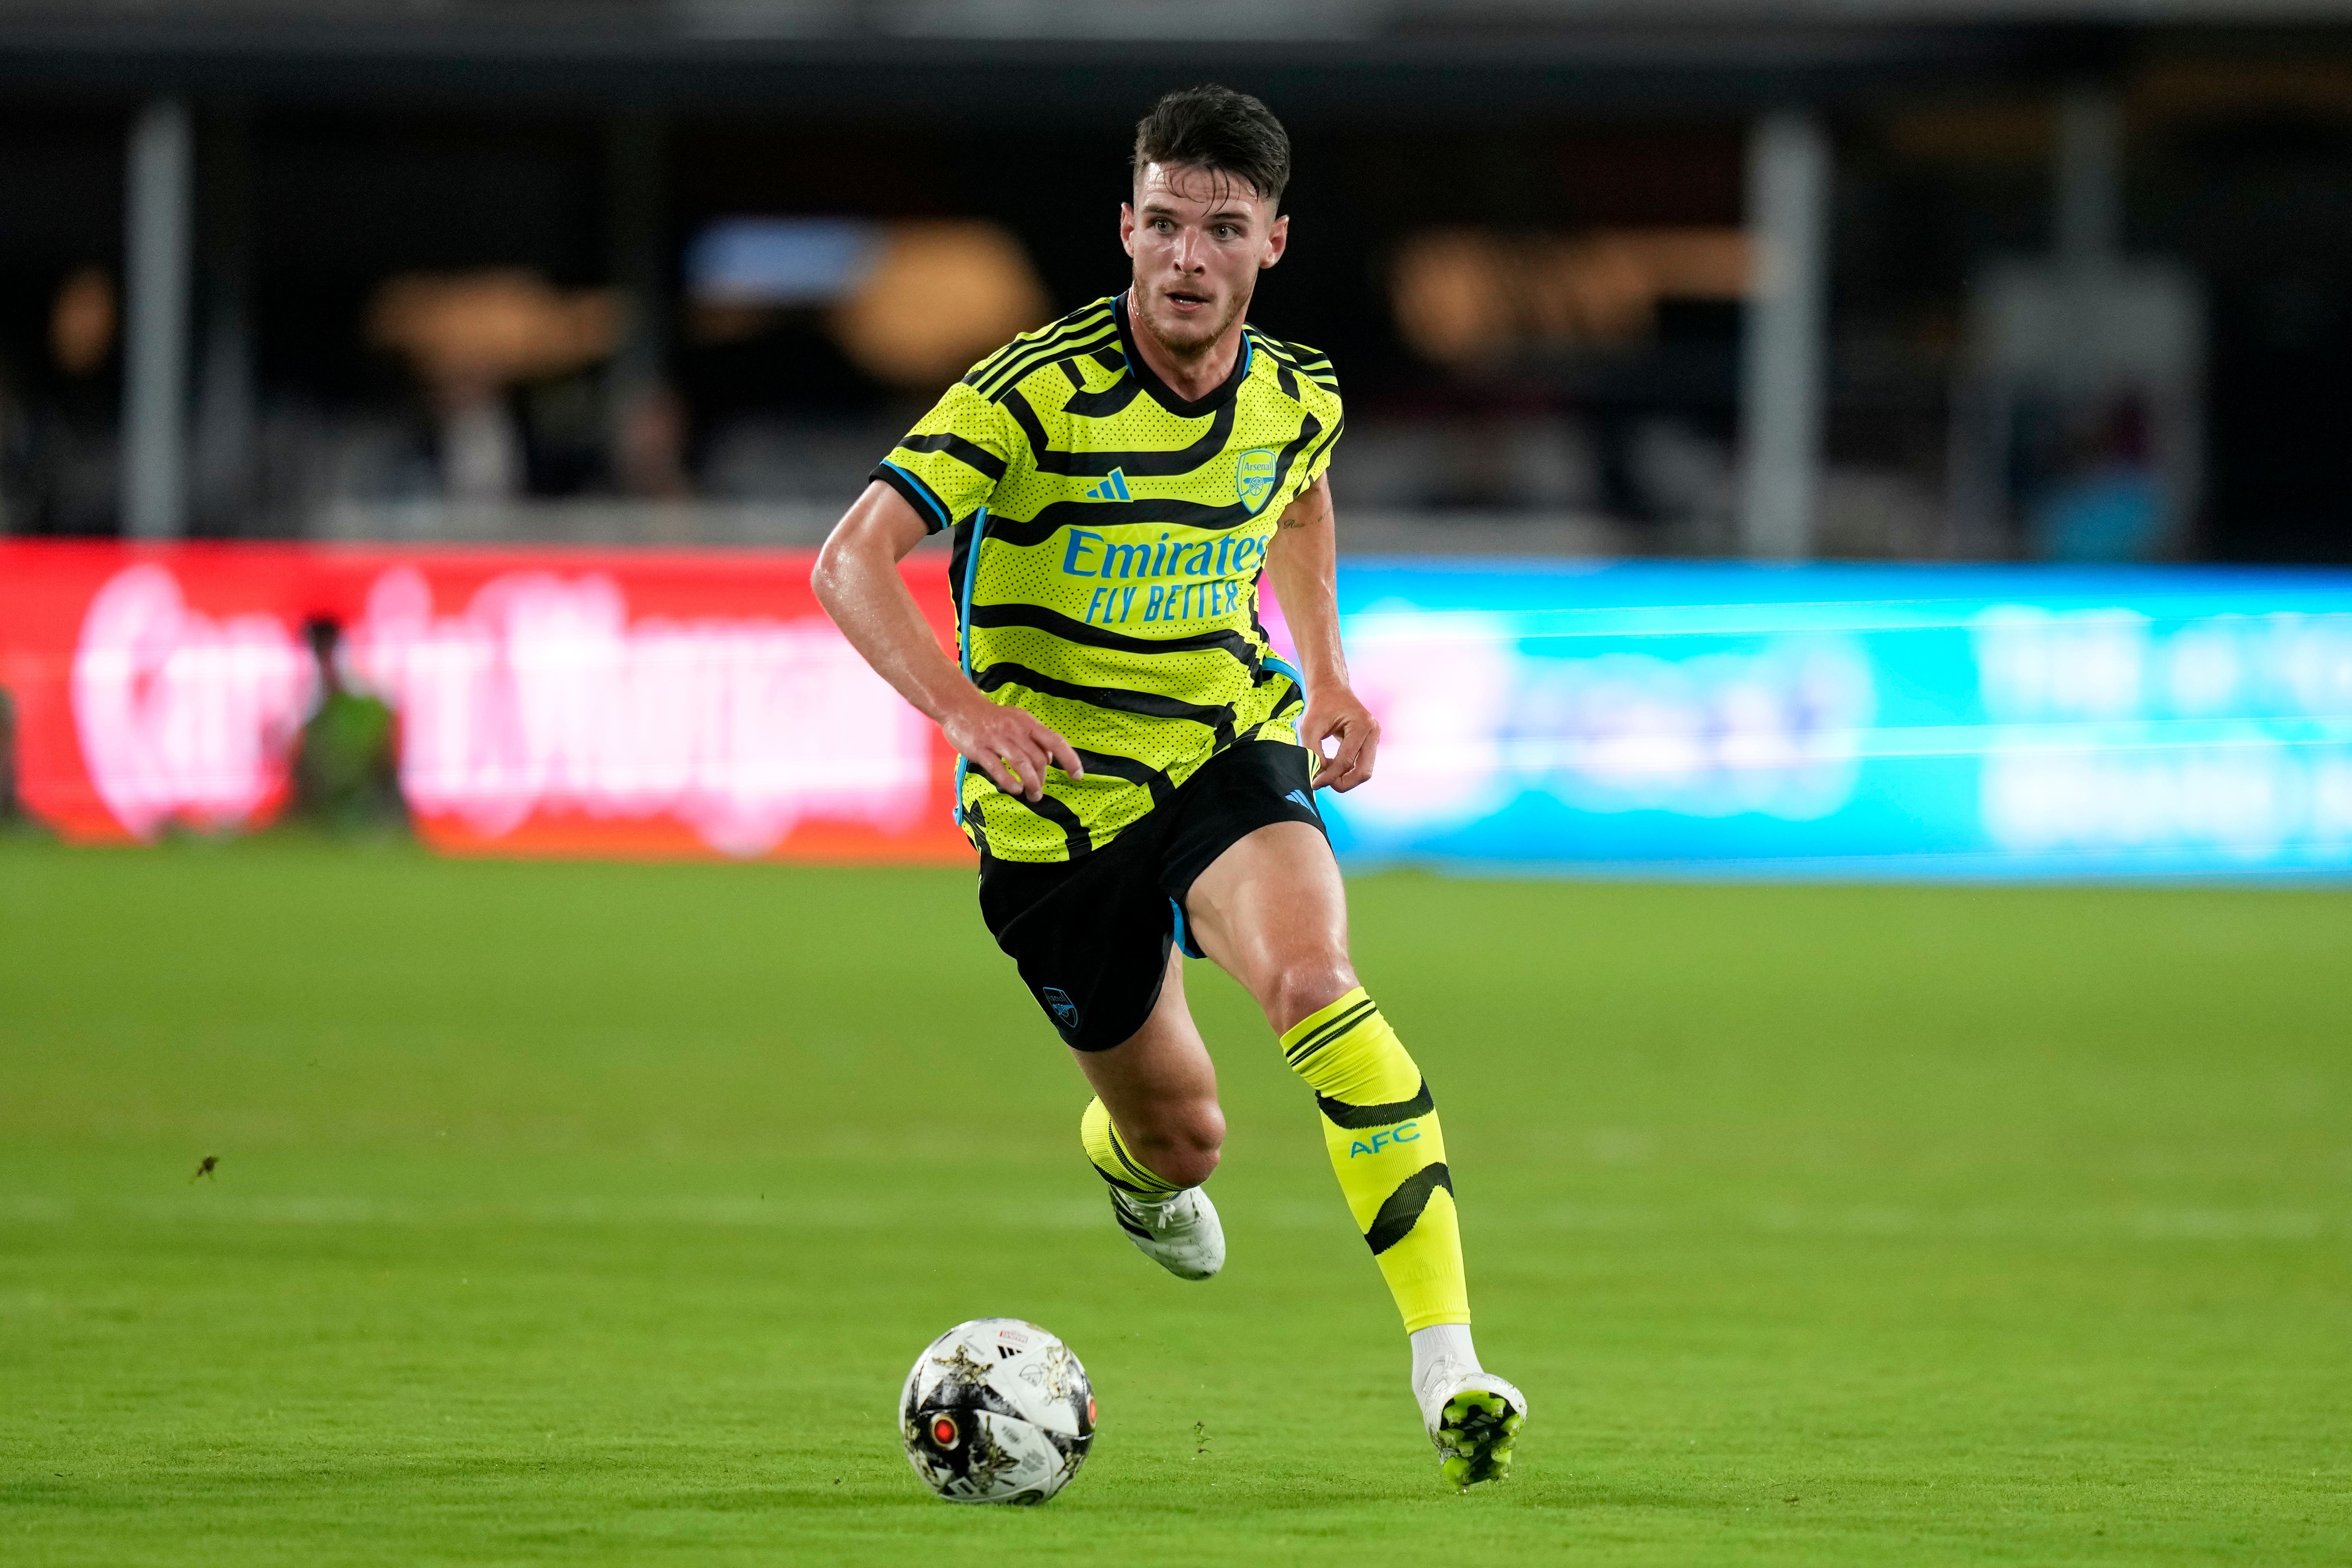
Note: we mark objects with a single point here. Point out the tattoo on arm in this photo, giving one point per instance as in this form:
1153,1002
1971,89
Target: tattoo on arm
1308,508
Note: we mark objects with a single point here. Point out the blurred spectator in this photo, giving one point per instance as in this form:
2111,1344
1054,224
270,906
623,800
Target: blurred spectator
649,444
82,322
472,337
60,427
346,764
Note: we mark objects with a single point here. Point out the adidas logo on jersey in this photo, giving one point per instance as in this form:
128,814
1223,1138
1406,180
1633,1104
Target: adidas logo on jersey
1112,488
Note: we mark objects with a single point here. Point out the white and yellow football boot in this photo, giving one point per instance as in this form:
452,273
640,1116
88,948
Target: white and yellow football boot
1472,1416
1181,1234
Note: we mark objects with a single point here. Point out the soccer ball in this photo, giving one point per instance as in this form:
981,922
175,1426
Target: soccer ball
997,1410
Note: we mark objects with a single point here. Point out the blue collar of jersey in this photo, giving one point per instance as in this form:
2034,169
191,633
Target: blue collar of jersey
1164,394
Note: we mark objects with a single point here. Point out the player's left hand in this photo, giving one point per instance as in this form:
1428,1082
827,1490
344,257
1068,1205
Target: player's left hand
1337,716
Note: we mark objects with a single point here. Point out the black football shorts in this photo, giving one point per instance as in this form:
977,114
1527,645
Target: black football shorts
1091,935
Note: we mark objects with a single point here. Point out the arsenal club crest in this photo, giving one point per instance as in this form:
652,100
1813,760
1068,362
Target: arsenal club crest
1254,477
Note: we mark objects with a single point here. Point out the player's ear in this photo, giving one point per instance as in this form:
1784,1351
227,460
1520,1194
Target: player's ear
1277,240
1126,226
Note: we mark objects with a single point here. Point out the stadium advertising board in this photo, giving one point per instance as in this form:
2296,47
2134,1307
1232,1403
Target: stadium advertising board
1642,717
548,702
1855,720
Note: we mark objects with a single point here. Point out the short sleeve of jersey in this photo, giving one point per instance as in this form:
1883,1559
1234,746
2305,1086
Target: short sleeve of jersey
1319,393
1318,461
952,461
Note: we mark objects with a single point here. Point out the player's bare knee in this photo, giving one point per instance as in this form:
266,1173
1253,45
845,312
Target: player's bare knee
1188,1168
1184,1145
1302,986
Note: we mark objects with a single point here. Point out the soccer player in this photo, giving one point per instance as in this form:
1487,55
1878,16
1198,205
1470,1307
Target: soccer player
1139,767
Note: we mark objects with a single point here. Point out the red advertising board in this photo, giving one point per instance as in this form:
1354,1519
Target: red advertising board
548,702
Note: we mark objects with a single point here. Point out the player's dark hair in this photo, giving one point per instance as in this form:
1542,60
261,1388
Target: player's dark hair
1212,127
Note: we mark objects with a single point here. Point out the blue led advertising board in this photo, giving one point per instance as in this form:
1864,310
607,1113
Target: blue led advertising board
1828,721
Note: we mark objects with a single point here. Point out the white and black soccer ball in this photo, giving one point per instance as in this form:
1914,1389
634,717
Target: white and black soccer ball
997,1410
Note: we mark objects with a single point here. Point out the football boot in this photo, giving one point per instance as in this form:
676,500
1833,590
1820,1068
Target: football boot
1181,1235
1474,1419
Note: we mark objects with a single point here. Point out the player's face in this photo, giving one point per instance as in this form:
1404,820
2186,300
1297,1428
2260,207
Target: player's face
1199,239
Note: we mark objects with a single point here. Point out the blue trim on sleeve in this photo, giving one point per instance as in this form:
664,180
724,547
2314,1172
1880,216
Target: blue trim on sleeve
1286,668
923,492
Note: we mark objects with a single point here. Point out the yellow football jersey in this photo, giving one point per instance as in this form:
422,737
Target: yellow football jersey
1109,539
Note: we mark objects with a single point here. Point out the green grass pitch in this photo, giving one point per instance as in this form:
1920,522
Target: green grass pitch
592,1214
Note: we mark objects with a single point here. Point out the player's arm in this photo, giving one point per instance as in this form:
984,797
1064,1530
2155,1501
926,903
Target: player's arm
1303,561
856,580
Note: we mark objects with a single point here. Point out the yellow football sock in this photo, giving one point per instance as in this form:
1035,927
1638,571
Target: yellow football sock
1121,1168
1381,1132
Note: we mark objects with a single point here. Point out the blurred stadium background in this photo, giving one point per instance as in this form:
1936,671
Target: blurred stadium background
1873,442
2057,278
2057,283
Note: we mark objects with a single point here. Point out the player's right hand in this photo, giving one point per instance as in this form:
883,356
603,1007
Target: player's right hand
1013,748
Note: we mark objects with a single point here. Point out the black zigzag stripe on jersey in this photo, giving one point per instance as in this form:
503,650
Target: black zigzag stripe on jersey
1086,318
1309,427
1095,465
1328,438
1021,370
970,454
1036,617
1313,363
1356,1118
1255,730
1403,1208
1057,515
1109,403
1294,697
1289,376
1012,367
1292,703
1331,1030
1147,704
1155,780
1075,838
